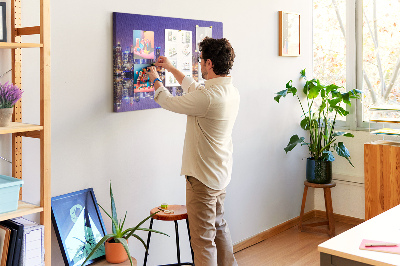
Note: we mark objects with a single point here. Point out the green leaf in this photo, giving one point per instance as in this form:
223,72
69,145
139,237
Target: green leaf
113,211
122,225
280,94
331,88
343,151
152,230
349,135
294,140
313,92
327,156
303,73
115,223
138,225
346,98
140,239
333,102
102,240
305,123
125,244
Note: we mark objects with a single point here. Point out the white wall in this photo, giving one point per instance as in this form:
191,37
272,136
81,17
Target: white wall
141,151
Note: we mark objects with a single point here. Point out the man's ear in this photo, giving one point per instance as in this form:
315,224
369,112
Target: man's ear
209,63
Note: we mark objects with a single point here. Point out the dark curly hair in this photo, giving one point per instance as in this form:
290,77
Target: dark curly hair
220,52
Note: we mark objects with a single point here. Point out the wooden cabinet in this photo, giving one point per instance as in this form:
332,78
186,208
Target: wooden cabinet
382,177
18,129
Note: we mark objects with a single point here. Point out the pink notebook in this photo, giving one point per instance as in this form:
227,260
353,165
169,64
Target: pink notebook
393,249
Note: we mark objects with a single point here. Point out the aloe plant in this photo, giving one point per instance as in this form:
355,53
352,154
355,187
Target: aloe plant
320,124
118,233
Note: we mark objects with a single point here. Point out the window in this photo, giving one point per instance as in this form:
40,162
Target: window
356,45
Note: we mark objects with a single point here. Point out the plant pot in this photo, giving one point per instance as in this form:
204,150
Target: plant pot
319,172
6,116
115,252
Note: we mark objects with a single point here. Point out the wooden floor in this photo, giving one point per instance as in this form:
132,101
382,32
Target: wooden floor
290,247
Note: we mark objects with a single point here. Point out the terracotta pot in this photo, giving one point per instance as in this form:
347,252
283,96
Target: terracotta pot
5,116
115,252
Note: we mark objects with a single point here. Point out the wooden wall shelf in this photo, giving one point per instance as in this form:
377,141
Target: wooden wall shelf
17,127
24,208
10,45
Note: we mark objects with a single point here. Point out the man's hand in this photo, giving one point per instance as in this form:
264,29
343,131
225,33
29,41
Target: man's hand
152,72
165,63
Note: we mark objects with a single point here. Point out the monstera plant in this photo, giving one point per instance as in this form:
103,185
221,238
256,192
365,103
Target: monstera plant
323,104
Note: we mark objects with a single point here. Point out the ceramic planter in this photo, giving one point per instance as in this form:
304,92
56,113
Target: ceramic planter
115,252
5,116
319,172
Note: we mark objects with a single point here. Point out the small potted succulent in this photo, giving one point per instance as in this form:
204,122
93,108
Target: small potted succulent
9,95
116,243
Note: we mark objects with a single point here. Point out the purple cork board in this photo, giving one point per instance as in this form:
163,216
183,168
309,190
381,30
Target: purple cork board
126,96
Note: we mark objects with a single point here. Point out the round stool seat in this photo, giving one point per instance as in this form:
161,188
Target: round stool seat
180,213
308,184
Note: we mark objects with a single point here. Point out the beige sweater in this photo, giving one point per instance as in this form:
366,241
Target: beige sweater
211,113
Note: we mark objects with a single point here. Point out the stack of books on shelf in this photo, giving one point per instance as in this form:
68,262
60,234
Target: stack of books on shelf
21,243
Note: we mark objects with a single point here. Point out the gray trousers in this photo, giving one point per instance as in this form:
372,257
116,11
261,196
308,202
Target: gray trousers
210,236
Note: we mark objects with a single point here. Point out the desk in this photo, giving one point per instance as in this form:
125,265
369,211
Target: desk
344,248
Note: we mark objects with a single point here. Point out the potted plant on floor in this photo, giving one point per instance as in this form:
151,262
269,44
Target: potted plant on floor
324,105
116,244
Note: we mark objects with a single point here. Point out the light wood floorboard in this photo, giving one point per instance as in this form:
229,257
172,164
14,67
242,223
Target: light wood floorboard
290,247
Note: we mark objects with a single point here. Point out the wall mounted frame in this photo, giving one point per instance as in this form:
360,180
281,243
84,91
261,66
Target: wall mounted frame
289,34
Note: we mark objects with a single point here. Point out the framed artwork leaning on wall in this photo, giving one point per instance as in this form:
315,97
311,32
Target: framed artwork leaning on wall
78,226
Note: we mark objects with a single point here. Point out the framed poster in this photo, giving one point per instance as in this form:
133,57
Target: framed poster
3,27
78,226
289,34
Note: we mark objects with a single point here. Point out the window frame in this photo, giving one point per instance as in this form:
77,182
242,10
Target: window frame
354,70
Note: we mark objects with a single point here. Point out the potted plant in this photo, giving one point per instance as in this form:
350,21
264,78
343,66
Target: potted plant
324,105
116,243
9,95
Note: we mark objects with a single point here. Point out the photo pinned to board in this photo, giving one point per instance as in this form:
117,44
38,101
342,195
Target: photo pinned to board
178,49
144,44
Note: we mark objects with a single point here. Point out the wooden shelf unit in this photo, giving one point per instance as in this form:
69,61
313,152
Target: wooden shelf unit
42,131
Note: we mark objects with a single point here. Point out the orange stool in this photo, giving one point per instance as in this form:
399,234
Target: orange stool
328,207
179,213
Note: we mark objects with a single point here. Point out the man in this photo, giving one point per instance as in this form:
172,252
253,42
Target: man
207,154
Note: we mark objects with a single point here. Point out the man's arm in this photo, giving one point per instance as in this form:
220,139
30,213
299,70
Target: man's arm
195,103
166,64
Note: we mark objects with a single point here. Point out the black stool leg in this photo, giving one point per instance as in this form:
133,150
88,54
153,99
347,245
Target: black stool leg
190,240
178,252
148,243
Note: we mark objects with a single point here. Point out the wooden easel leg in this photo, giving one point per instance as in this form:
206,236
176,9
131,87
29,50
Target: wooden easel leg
303,204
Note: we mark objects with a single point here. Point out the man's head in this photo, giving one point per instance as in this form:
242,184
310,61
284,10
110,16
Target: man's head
217,55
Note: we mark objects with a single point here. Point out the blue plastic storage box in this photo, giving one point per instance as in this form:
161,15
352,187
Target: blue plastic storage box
9,193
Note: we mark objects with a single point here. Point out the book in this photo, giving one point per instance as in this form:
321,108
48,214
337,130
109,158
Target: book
4,243
386,249
11,246
18,241
32,250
